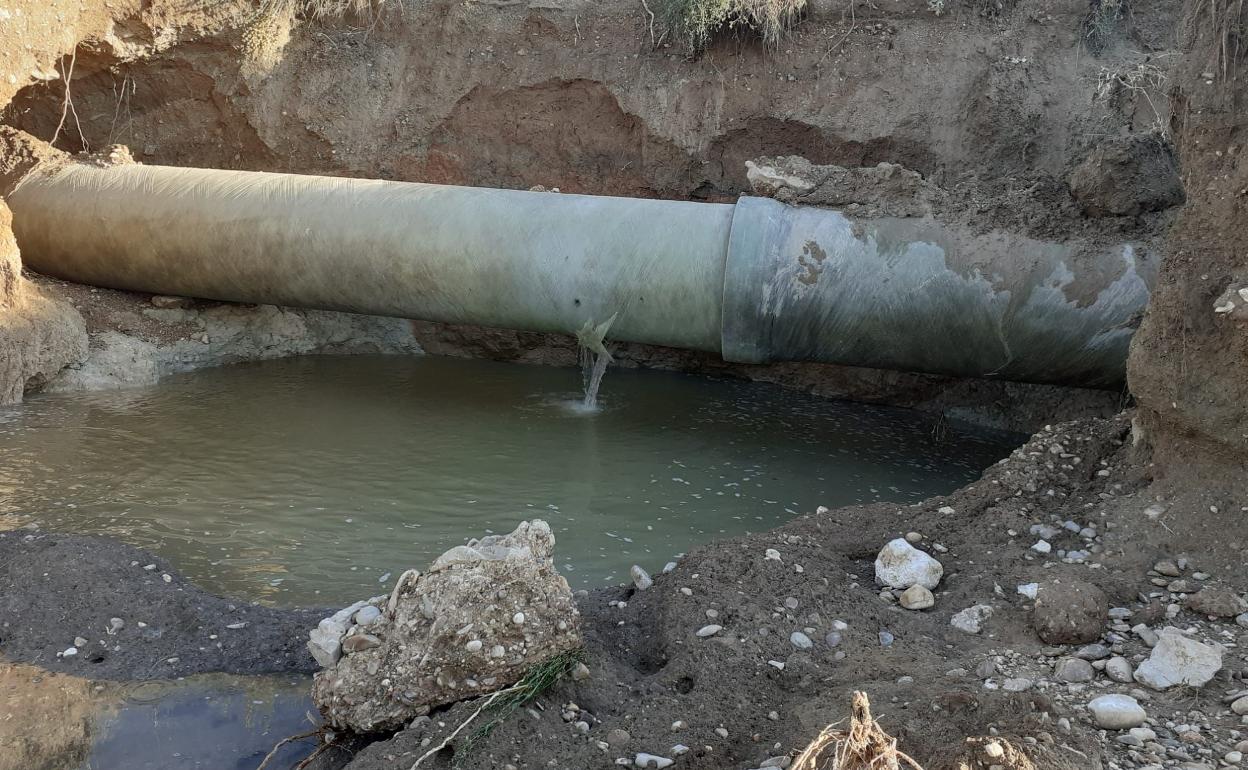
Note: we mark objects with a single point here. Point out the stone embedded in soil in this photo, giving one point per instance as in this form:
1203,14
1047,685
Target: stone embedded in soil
901,565
1117,712
1119,670
650,760
709,630
422,658
916,597
1240,706
641,578
1179,660
1070,612
1217,601
971,620
1073,670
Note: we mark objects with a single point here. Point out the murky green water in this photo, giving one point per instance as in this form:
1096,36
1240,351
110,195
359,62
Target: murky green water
310,481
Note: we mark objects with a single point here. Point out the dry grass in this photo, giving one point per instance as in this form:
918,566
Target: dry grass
320,9
864,746
695,22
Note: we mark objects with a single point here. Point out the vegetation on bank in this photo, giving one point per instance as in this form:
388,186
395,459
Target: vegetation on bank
694,22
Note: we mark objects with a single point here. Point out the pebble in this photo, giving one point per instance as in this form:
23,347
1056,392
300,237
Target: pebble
1073,670
473,646
1233,757
1240,706
1119,670
886,639
1028,590
971,620
679,749
771,554
911,537
1117,712
366,616
833,639
1042,546
116,624
1093,652
1177,659
618,737
710,630
650,760
722,732
671,565
642,580
1017,684
79,641
70,652
800,641
518,618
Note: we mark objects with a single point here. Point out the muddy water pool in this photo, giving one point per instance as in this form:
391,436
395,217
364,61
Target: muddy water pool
312,481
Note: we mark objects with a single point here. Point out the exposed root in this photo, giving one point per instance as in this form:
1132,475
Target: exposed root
864,746
273,753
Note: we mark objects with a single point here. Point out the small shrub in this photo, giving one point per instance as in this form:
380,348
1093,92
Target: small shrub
696,21
1103,23
318,9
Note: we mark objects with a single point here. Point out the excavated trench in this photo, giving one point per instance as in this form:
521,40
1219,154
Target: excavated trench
1001,121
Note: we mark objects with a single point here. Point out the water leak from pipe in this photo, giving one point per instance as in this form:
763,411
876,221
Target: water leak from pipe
594,360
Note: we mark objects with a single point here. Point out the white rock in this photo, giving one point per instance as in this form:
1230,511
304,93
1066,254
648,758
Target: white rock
1042,546
650,760
801,641
1240,706
1029,590
901,565
367,615
1117,712
971,620
641,578
1176,659
916,597
710,630
771,554
1018,684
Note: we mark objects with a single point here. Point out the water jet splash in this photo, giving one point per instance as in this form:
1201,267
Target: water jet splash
594,359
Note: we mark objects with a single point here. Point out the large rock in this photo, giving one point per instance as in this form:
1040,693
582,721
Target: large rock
901,565
1070,612
1176,660
483,616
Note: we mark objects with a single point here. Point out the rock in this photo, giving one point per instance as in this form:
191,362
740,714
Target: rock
641,578
1017,684
80,642
801,641
360,642
367,615
971,620
1093,652
1071,612
1028,590
1119,670
618,737
901,565
1073,670
706,631
580,672
1218,601
165,302
1167,568
650,760
1042,546
1126,176
1117,712
916,597
1240,706
1176,659
420,660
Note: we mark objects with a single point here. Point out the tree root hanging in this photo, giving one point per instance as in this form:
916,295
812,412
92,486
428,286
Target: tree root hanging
864,746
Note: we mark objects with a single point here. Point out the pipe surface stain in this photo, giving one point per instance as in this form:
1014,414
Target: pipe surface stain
312,481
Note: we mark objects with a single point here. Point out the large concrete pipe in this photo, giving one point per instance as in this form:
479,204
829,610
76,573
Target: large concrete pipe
756,281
